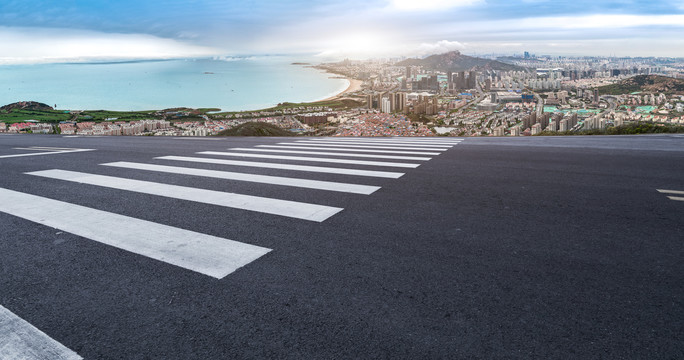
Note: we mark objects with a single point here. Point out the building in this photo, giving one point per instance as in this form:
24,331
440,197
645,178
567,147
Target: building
596,96
536,129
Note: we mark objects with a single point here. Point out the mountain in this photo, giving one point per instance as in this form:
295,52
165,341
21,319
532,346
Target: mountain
645,83
455,61
26,105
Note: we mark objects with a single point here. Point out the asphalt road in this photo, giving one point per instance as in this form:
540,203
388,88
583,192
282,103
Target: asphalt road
553,247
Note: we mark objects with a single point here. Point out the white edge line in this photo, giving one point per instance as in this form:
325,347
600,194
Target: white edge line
21,340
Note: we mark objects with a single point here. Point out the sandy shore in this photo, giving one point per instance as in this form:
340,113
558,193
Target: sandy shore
354,85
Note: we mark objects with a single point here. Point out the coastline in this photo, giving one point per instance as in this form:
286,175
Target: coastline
354,86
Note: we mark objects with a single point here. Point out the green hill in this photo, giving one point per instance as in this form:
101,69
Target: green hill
256,129
645,83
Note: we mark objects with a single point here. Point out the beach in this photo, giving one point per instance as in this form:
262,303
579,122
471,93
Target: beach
354,86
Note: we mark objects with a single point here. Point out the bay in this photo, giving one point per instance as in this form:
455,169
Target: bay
233,84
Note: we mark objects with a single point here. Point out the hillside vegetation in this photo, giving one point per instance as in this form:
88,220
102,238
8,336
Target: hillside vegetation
645,83
256,129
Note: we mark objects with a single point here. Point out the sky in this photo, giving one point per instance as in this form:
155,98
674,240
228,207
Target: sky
34,31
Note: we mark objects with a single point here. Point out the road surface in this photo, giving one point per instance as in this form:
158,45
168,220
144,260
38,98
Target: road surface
321,248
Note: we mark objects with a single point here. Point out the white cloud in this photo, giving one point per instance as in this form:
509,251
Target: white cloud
429,5
439,47
600,21
42,45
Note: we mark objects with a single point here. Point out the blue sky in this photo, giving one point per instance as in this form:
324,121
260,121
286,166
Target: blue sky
52,30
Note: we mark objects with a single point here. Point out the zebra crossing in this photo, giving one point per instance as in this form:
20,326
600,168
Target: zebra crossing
206,254
212,256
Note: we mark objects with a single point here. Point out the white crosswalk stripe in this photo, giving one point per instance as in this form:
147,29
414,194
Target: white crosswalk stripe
205,254
297,146
374,143
264,179
366,146
311,159
318,169
291,209
415,158
21,340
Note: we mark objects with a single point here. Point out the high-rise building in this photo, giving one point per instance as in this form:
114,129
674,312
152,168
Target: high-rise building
400,101
596,96
386,105
408,73
472,80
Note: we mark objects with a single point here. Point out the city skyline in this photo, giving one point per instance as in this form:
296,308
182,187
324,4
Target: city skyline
45,31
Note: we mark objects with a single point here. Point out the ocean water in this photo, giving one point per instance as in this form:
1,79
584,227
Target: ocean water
231,85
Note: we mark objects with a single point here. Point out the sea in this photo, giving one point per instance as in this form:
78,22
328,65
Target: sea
229,84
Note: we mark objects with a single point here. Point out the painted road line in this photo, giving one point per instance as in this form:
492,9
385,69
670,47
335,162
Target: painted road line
415,158
21,340
374,143
676,192
676,198
353,145
197,138
398,142
319,169
45,153
293,209
314,159
263,179
43,148
396,139
205,254
352,148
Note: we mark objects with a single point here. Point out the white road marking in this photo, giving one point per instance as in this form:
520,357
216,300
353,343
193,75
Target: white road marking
375,143
368,146
21,340
298,146
676,198
676,192
43,148
293,209
197,138
45,153
314,159
263,179
205,254
398,141
319,169
334,154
